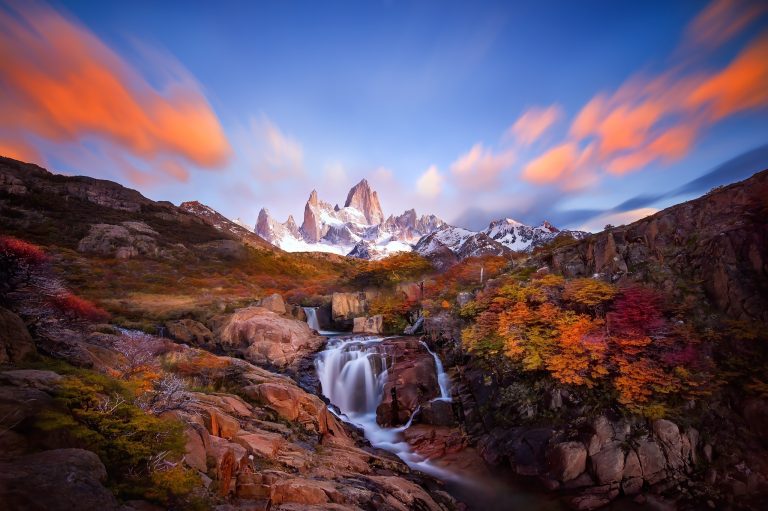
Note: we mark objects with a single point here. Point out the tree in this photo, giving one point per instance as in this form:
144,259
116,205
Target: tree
636,312
591,293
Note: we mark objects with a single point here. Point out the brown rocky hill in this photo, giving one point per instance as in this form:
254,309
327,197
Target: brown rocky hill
98,215
714,247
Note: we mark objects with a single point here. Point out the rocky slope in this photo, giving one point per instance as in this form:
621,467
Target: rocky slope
718,240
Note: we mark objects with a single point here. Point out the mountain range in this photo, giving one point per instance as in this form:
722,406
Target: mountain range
360,229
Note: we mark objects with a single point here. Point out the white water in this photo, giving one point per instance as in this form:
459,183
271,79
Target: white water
311,313
352,373
442,377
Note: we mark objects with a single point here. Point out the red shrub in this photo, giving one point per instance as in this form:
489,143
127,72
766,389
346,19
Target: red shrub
636,312
80,308
19,250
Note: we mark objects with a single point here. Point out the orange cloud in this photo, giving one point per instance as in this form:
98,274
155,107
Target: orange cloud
480,167
671,145
552,165
534,123
61,83
740,86
721,20
18,150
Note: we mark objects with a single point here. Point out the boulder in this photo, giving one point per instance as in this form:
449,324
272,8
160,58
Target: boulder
260,443
404,494
412,381
652,462
275,303
264,337
224,459
348,305
32,378
196,446
608,464
368,325
15,342
302,491
438,412
60,479
670,439
567,460
190,332
603,434
117,241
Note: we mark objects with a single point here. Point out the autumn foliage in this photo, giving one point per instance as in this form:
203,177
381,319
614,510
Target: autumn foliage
588,333
79,308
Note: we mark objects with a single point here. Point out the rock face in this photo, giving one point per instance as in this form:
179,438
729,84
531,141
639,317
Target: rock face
267,338
120,241
190,332
15,341
365,200
221,223
369,325
412,382
347,306
719,239
274,303
60,479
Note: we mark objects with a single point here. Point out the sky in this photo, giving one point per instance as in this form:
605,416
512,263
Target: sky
581,113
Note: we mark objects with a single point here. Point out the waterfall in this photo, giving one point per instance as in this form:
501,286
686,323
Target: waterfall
352,373
442,377
311,313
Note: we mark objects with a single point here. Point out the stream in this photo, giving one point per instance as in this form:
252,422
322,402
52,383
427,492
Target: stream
353,371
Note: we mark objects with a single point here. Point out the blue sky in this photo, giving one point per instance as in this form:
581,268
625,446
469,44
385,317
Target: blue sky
419,97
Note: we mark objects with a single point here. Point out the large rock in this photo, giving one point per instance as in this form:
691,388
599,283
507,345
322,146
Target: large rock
32,378
118,241
411,382
274,302
671,441
567,460
190,332
348,305
652,462
368,325
15,342
267,338
61,479
608,464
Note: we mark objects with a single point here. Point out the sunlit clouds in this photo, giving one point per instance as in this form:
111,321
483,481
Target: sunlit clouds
534,123
479,168
63,85
430,183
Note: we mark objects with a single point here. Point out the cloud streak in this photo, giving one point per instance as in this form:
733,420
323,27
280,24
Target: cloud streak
61,84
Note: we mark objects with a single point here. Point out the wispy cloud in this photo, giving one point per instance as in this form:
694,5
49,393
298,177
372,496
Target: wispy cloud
275,155
533,123
479,168
430,184
61,84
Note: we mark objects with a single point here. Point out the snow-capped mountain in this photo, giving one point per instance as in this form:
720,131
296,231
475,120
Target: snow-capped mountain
502,237
359,229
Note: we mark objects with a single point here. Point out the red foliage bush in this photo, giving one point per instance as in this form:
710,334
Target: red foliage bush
14,248
80,308
636,312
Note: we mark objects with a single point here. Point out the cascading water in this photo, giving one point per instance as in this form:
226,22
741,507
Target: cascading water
442,377
352,374
314,323
311,314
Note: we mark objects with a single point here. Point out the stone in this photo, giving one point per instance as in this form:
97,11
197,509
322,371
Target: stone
60,479
275,303
368,325
301,491
567,460
603,434
608,464
632,486
438,412
195,447
264,337
220,424
190,332
348,305
224,461
652,461
16,344
261,443
32,378
117,241
669,437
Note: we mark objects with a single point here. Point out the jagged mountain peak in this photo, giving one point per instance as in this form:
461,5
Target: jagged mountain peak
365,200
